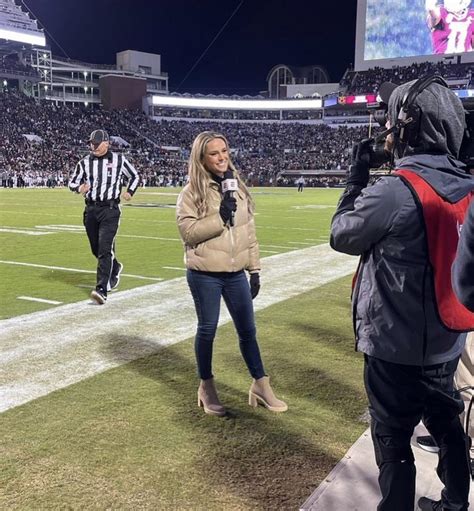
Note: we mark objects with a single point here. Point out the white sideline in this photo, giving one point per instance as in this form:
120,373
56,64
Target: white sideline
48,350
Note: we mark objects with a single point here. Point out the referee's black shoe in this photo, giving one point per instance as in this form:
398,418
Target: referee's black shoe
99,296
115,279
426,504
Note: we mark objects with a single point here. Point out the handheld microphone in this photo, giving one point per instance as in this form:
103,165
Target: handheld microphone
229,186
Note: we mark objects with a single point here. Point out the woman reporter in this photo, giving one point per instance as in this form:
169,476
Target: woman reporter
218,232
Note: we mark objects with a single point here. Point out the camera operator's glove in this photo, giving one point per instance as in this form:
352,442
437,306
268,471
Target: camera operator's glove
254,284
228,208
360,163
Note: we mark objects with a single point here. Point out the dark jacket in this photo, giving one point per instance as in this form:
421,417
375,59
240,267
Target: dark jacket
463,267
394,311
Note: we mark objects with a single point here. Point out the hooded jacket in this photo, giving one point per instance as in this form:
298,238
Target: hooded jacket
209,244
394,306
463,267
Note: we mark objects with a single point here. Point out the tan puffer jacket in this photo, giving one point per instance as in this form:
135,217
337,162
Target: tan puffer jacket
209,244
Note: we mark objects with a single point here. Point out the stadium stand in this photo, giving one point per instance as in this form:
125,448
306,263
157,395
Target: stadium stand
42,142
364,82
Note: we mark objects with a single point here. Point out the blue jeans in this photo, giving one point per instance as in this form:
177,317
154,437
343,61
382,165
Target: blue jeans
207,289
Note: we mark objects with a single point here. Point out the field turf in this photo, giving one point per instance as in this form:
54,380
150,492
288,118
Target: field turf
132,437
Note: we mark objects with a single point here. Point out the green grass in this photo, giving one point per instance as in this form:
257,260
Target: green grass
279,211
133,437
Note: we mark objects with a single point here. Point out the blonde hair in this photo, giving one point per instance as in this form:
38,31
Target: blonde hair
200,178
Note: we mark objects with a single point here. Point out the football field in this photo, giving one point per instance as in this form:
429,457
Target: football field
99,406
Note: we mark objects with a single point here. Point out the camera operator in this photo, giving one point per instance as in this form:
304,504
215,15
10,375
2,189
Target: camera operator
463,284
407,320
463,267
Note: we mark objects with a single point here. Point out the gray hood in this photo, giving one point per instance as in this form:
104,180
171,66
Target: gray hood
442,119
443,172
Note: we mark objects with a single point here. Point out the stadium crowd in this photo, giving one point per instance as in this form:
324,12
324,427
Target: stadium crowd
367,82
42,142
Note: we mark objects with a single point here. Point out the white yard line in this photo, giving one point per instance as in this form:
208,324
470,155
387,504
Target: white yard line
147,237
49,350
81,230
277,246
76,270
41,300
23,231
62,227
170,194
286,228
38,213
74,229
173,268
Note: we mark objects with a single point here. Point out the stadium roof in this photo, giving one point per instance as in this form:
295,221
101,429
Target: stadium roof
18,28
304,72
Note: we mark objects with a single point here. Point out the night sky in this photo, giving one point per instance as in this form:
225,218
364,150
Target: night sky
261,34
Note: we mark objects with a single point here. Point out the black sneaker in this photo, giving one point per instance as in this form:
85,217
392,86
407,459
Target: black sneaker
426,504
115,279
99,296
427,443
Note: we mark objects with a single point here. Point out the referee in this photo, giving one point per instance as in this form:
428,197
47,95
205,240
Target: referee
99,178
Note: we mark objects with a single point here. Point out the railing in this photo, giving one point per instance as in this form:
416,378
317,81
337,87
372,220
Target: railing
82,98
87,65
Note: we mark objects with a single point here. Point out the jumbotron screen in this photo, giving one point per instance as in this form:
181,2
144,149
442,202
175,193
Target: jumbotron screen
393,29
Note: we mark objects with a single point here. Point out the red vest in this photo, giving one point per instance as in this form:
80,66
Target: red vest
442,221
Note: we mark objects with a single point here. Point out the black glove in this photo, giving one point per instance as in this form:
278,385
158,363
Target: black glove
360,163
254,284
228,207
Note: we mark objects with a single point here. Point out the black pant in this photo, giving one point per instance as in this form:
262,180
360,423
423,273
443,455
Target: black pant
101,223
399,396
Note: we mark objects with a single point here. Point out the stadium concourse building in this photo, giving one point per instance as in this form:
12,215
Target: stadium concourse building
285,81
294,94
26,63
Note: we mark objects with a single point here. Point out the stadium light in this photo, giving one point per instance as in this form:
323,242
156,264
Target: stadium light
37,40
5,83
238,104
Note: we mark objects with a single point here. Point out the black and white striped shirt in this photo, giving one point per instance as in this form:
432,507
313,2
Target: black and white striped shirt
105,175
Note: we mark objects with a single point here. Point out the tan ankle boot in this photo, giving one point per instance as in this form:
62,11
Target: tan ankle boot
208,399
261,392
